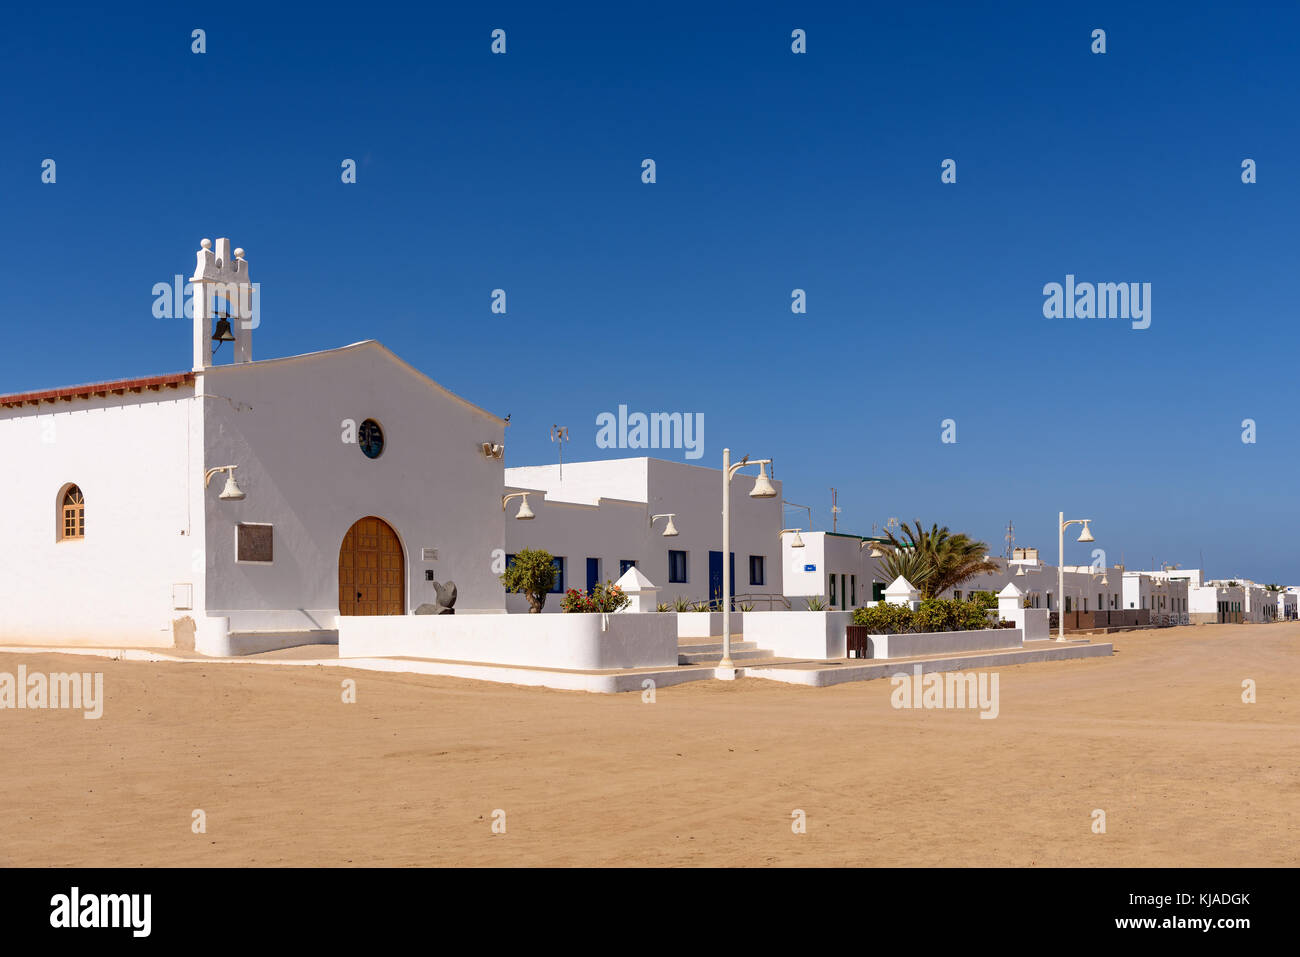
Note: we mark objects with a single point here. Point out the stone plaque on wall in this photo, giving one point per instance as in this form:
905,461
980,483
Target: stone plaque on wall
253,543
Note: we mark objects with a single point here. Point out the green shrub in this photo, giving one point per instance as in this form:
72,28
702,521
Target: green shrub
885,619
934,614
533,573
815,603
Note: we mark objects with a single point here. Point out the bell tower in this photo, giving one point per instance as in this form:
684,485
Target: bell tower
225,307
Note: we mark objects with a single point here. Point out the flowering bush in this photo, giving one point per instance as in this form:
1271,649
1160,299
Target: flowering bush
603,598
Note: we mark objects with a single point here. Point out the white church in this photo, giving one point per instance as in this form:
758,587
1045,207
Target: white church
245,505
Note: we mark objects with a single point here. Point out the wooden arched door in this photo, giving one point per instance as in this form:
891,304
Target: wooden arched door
372,571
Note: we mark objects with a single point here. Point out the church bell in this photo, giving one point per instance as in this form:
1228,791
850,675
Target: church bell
223,333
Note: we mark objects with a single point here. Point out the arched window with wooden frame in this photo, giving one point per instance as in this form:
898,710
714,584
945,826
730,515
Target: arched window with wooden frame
72,514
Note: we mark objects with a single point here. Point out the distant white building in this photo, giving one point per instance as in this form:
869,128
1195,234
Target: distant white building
596,522
1087,588
1163,594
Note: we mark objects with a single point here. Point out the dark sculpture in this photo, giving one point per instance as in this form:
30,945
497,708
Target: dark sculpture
445,603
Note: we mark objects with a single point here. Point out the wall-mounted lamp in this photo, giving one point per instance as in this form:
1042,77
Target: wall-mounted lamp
232,492
796,542
670,530
524,513
493,450
876,550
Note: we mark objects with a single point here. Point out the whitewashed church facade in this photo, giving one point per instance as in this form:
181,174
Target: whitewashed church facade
356,480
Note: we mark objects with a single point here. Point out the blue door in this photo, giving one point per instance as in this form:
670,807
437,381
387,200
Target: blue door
593,574
715,576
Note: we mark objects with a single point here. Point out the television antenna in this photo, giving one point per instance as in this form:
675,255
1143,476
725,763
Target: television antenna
835,510
560,434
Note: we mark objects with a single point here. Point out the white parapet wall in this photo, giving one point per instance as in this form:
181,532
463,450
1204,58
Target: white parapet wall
573,642
799,634
944,642
706,624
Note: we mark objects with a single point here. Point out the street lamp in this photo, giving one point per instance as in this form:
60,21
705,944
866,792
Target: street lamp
762,489
796,542
670,530
524,513
1084,536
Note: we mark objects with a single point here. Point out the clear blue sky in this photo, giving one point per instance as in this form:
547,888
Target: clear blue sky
775,171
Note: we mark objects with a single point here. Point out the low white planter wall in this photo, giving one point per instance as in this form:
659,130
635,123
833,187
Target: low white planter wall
799,634
941,642
574,642
706,624
1034,623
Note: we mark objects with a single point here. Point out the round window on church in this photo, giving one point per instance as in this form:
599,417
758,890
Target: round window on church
371,439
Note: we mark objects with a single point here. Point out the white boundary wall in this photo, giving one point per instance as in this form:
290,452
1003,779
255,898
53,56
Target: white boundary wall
799,634
707,624
944,642
573,642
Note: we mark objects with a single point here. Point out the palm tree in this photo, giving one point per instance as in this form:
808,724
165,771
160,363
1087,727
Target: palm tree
940,558
913,565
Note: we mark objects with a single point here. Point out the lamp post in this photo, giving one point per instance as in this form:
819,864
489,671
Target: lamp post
762,489
1084,536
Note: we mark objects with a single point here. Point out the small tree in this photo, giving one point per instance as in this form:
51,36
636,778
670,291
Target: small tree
533,574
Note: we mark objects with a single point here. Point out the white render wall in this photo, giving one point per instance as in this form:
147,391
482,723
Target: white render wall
577,642
432,483
136,458
611,531
602,510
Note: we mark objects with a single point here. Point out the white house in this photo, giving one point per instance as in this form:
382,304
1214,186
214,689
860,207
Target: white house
1163,594
836,567
245,505
1216,603
1288,609
596,519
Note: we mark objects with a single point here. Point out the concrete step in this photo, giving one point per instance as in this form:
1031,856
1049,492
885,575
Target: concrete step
712,657
699,646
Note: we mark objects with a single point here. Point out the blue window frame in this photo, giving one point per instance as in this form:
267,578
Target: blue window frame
676,566
593,574
756,570
559,578
624,564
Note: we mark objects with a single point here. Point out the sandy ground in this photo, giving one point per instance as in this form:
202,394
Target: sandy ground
709,774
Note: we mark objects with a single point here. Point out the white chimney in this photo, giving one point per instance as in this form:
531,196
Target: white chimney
221,279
